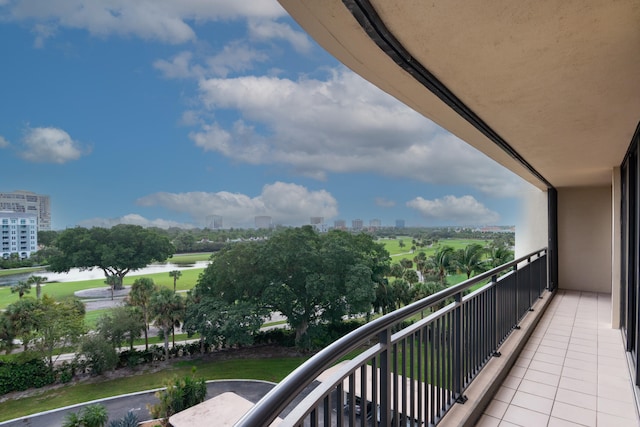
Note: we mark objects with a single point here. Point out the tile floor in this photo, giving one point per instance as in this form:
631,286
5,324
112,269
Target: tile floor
572,372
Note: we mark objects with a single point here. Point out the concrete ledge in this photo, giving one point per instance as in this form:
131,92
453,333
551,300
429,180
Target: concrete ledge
482,389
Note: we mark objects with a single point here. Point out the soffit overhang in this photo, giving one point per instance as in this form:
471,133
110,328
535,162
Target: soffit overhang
559,81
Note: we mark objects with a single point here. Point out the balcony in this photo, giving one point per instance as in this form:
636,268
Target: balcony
572,371
512,352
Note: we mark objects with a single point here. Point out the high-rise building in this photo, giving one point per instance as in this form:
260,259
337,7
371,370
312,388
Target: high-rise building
399,223
18,234
263,221
214,222
356,224
28,202
340,224
315,220
375,223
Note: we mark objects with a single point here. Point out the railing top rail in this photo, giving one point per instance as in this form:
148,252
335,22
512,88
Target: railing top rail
267,409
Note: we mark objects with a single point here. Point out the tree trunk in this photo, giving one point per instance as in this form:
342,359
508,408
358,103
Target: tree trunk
146,334
166,343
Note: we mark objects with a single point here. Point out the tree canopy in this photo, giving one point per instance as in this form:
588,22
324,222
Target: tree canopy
116,250
310,278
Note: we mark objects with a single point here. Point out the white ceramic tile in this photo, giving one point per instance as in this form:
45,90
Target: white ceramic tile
617,408
505,394
525,417
496,408
539,389
487,421
533,402
542,377
574,414
575,398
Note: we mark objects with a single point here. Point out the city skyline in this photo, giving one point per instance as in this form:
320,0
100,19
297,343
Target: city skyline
219,108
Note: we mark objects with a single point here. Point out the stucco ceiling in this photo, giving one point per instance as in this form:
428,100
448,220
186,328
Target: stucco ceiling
558,80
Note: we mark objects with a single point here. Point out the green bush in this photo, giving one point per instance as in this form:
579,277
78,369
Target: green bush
180,394
89,416
129,420
24,374
100,354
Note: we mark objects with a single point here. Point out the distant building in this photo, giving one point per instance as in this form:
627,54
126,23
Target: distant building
340,224
356,224
28,202
263,222
214,222
375,223
19,234
399,223
316,220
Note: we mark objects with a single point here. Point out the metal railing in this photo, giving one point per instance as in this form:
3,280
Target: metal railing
409,374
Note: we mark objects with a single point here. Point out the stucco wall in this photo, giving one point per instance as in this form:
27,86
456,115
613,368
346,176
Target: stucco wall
532,225
584,239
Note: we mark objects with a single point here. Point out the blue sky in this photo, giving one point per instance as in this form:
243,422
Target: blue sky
163,112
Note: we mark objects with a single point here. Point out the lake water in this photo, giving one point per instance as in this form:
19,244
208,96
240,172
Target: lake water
75,274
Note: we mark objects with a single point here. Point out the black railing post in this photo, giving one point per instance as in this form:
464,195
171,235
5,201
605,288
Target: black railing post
457,349
385,379
497,313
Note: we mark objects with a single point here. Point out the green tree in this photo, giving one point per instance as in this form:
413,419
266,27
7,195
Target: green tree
7,335
176,275
121,324
100,355
470,260
441,262
222,324
38,281
21,288
500,255
310,278
114,283
58,325
116,251
140,296
166,308
21,319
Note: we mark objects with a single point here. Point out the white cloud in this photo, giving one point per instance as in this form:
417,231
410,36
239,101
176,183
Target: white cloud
3,142
133,219
286,203
164,20
384,203
50,145
268,29
234,57
465,210
342,124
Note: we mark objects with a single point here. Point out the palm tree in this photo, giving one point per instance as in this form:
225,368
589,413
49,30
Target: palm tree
176,275
500,255
140,296
21,288
112,281
469,260
441,262
165,308
37,280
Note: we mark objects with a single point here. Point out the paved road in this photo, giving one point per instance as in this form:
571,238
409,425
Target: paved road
117,407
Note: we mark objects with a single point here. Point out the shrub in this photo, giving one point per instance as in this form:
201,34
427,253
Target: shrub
89,416
180,394
100,354
129,420
24,374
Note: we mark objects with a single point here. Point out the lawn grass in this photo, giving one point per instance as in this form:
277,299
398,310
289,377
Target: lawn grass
272,369
61,290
